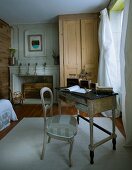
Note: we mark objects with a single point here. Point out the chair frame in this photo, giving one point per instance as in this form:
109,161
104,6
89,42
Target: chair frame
47,107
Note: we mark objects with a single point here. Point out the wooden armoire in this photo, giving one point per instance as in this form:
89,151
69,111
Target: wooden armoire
78,46
5,42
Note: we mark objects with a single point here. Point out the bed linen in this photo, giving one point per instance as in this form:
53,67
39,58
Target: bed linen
7,113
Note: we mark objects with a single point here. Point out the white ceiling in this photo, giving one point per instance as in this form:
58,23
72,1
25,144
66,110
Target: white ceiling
45,11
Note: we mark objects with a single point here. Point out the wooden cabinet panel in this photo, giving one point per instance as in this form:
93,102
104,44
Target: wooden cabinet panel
72,50
71,40
78,37
89,39
70,60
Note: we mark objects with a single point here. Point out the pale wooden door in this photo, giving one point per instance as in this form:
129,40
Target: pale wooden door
89,39
71,48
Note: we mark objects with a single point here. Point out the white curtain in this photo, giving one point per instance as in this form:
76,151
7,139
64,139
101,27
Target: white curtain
108,74
126,62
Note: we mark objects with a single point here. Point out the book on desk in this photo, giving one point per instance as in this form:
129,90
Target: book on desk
104,90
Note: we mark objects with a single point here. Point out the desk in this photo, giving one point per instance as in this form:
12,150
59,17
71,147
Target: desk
92,103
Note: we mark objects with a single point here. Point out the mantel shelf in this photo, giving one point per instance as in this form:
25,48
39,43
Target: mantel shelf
31,75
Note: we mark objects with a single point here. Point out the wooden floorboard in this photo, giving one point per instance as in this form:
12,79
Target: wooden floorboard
35,110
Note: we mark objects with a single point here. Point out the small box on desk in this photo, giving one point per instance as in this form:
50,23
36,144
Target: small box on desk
72,82
76,81
93,86
85,83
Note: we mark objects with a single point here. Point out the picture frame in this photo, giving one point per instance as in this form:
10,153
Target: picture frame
35,42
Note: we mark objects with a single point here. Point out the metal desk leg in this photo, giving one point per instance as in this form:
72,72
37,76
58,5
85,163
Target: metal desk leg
113,130
91,141
91,157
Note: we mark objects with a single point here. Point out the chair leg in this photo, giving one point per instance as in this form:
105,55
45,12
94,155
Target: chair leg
44,146
49,139
70,151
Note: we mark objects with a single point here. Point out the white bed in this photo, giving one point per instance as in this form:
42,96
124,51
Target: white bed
7,113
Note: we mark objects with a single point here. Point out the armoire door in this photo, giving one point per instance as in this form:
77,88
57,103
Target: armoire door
71,48
89,43
78,46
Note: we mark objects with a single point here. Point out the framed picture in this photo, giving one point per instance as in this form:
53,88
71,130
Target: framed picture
35,42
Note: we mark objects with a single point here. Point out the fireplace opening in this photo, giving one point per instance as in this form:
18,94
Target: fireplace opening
32,84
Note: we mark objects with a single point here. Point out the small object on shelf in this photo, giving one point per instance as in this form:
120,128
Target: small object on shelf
55,57
28,69
19,72
44,65
12,58
35,72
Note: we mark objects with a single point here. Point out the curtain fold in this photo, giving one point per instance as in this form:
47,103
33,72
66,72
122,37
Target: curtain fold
108,66
126,60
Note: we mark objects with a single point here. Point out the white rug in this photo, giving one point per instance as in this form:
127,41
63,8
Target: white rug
21,148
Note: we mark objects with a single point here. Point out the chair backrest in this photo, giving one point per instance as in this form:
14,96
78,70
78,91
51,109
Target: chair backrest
46,99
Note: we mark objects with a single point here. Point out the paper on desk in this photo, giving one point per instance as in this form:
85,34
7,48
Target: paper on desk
76,88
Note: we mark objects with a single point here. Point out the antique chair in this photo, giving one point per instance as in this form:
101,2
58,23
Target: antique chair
61,127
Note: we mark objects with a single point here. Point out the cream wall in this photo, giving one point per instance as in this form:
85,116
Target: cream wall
50,32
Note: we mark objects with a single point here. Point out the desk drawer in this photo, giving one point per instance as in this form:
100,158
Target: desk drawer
71,98
82,108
